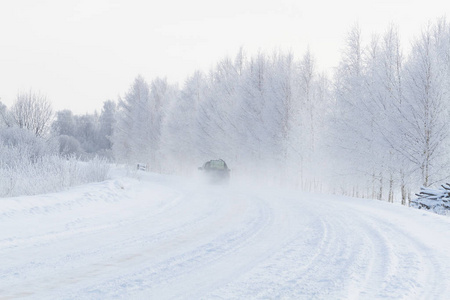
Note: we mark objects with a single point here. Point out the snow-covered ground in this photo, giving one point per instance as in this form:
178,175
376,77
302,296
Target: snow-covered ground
161,237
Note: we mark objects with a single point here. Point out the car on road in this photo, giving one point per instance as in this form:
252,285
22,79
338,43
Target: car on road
216,171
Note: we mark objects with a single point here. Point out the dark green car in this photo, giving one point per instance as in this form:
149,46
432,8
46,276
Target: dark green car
216,171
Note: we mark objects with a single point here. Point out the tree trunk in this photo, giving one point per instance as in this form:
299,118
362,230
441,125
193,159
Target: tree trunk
391,191
380,193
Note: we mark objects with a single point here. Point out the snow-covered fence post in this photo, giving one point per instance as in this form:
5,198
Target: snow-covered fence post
142,167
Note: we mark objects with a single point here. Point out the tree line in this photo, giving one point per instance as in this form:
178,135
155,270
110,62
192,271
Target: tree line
377,128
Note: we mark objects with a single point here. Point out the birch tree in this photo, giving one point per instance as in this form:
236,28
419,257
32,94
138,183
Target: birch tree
352,122
32,111
427,98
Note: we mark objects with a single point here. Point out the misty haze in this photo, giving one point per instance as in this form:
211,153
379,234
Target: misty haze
264,177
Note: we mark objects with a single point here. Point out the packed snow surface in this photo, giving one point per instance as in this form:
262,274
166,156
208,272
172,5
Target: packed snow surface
162,237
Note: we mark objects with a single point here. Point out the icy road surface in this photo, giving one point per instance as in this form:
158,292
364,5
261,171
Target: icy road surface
159,237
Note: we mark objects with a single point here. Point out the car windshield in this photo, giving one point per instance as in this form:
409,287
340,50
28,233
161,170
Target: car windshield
217,164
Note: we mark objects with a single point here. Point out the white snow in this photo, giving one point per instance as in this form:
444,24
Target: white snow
162,237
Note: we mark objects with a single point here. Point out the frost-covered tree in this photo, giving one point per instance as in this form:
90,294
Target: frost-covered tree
64,123
220,105
106,126
253,91
427,121
87,128
369,95
353,122
311,111
132,132
282,116
391,113
388,106
179,142
160,97
5,116
256,113
137,131
33,112
92,132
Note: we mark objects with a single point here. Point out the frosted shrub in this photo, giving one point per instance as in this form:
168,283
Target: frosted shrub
49,174
23,171
24,144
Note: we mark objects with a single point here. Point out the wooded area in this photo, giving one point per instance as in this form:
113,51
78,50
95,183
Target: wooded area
377,127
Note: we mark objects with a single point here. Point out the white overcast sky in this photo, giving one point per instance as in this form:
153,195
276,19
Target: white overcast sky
81,53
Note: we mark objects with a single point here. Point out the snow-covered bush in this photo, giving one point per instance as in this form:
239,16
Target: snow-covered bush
68,145
30,165
436,200
48,173
24,143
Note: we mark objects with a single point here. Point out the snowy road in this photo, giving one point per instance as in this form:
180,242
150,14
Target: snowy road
163,238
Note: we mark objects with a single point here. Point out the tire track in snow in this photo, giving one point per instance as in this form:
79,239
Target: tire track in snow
412,271
157,277
343,254
214,243
126,252
73,240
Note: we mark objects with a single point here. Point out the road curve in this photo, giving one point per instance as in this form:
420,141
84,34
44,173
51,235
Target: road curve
159,237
